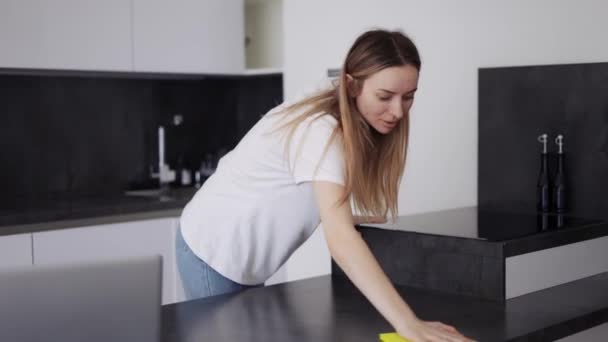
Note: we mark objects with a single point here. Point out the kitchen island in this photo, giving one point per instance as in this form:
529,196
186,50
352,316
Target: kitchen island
470,290
488,254
331,309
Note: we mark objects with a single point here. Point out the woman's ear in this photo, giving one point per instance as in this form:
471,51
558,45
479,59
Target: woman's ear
352,85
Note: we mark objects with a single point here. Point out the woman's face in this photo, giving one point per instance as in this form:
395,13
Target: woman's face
387,96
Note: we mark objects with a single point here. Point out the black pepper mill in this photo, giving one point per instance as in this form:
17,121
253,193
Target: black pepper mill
559,185
543,186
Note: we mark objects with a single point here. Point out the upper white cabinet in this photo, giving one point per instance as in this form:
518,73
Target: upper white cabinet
15,250
183,36
263,35
66,34
190,36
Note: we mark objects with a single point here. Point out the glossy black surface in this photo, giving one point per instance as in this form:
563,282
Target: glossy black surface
486,224
501,226
325,309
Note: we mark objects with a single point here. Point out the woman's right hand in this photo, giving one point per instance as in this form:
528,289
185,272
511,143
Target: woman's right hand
352,254
426,331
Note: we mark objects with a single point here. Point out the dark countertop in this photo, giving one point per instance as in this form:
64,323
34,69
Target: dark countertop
327,308
516,232
26,216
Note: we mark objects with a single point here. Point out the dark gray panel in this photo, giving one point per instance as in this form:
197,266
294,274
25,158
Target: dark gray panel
93,133
516,105
440,263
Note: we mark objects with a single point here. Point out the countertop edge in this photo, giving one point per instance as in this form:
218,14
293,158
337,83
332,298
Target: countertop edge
525,244
89,221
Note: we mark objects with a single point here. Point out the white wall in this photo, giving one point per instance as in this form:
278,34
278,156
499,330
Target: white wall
455,38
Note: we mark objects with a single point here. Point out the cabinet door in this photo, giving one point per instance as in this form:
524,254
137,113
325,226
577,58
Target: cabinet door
66,34
189,36
15,250
111,242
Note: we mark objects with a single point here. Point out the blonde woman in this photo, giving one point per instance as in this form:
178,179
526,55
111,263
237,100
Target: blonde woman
305,163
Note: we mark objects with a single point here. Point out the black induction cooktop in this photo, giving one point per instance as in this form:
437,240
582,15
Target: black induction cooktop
485,224
501,226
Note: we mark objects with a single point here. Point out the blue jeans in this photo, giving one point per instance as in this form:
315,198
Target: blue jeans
198,278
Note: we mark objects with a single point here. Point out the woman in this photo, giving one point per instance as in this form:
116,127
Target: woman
307,162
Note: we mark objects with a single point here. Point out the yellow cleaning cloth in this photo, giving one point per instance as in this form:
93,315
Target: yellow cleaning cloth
392,337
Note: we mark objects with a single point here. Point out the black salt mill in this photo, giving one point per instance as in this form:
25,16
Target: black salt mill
543,185
559,184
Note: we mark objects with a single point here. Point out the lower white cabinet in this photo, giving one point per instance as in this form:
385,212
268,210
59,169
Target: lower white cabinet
114,241
139,238
15,250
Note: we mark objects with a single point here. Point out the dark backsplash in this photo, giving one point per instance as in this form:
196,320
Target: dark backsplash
95,133
516,105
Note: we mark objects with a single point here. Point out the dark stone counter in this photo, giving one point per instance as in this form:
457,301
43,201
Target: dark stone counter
329,309
479,230
21,216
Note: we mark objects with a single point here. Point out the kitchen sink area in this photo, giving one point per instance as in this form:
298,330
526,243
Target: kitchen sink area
45,213
164,194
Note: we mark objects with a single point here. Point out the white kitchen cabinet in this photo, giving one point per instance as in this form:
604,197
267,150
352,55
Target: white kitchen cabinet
66,34
189,36
15,250
264,35
111,242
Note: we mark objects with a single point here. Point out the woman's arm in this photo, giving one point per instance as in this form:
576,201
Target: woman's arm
353,255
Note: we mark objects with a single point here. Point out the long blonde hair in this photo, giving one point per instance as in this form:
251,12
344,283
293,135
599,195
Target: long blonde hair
374,163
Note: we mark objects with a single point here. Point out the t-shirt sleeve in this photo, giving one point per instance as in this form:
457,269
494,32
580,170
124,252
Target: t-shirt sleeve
308,158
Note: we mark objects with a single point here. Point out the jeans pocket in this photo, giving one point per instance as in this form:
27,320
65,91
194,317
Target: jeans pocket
207,289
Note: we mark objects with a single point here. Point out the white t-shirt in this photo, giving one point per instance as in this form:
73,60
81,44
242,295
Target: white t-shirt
257,209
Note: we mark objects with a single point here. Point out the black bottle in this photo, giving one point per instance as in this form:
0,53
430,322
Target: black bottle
179,165
543,185
559,184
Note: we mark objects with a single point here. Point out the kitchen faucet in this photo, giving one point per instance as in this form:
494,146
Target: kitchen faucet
165,175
